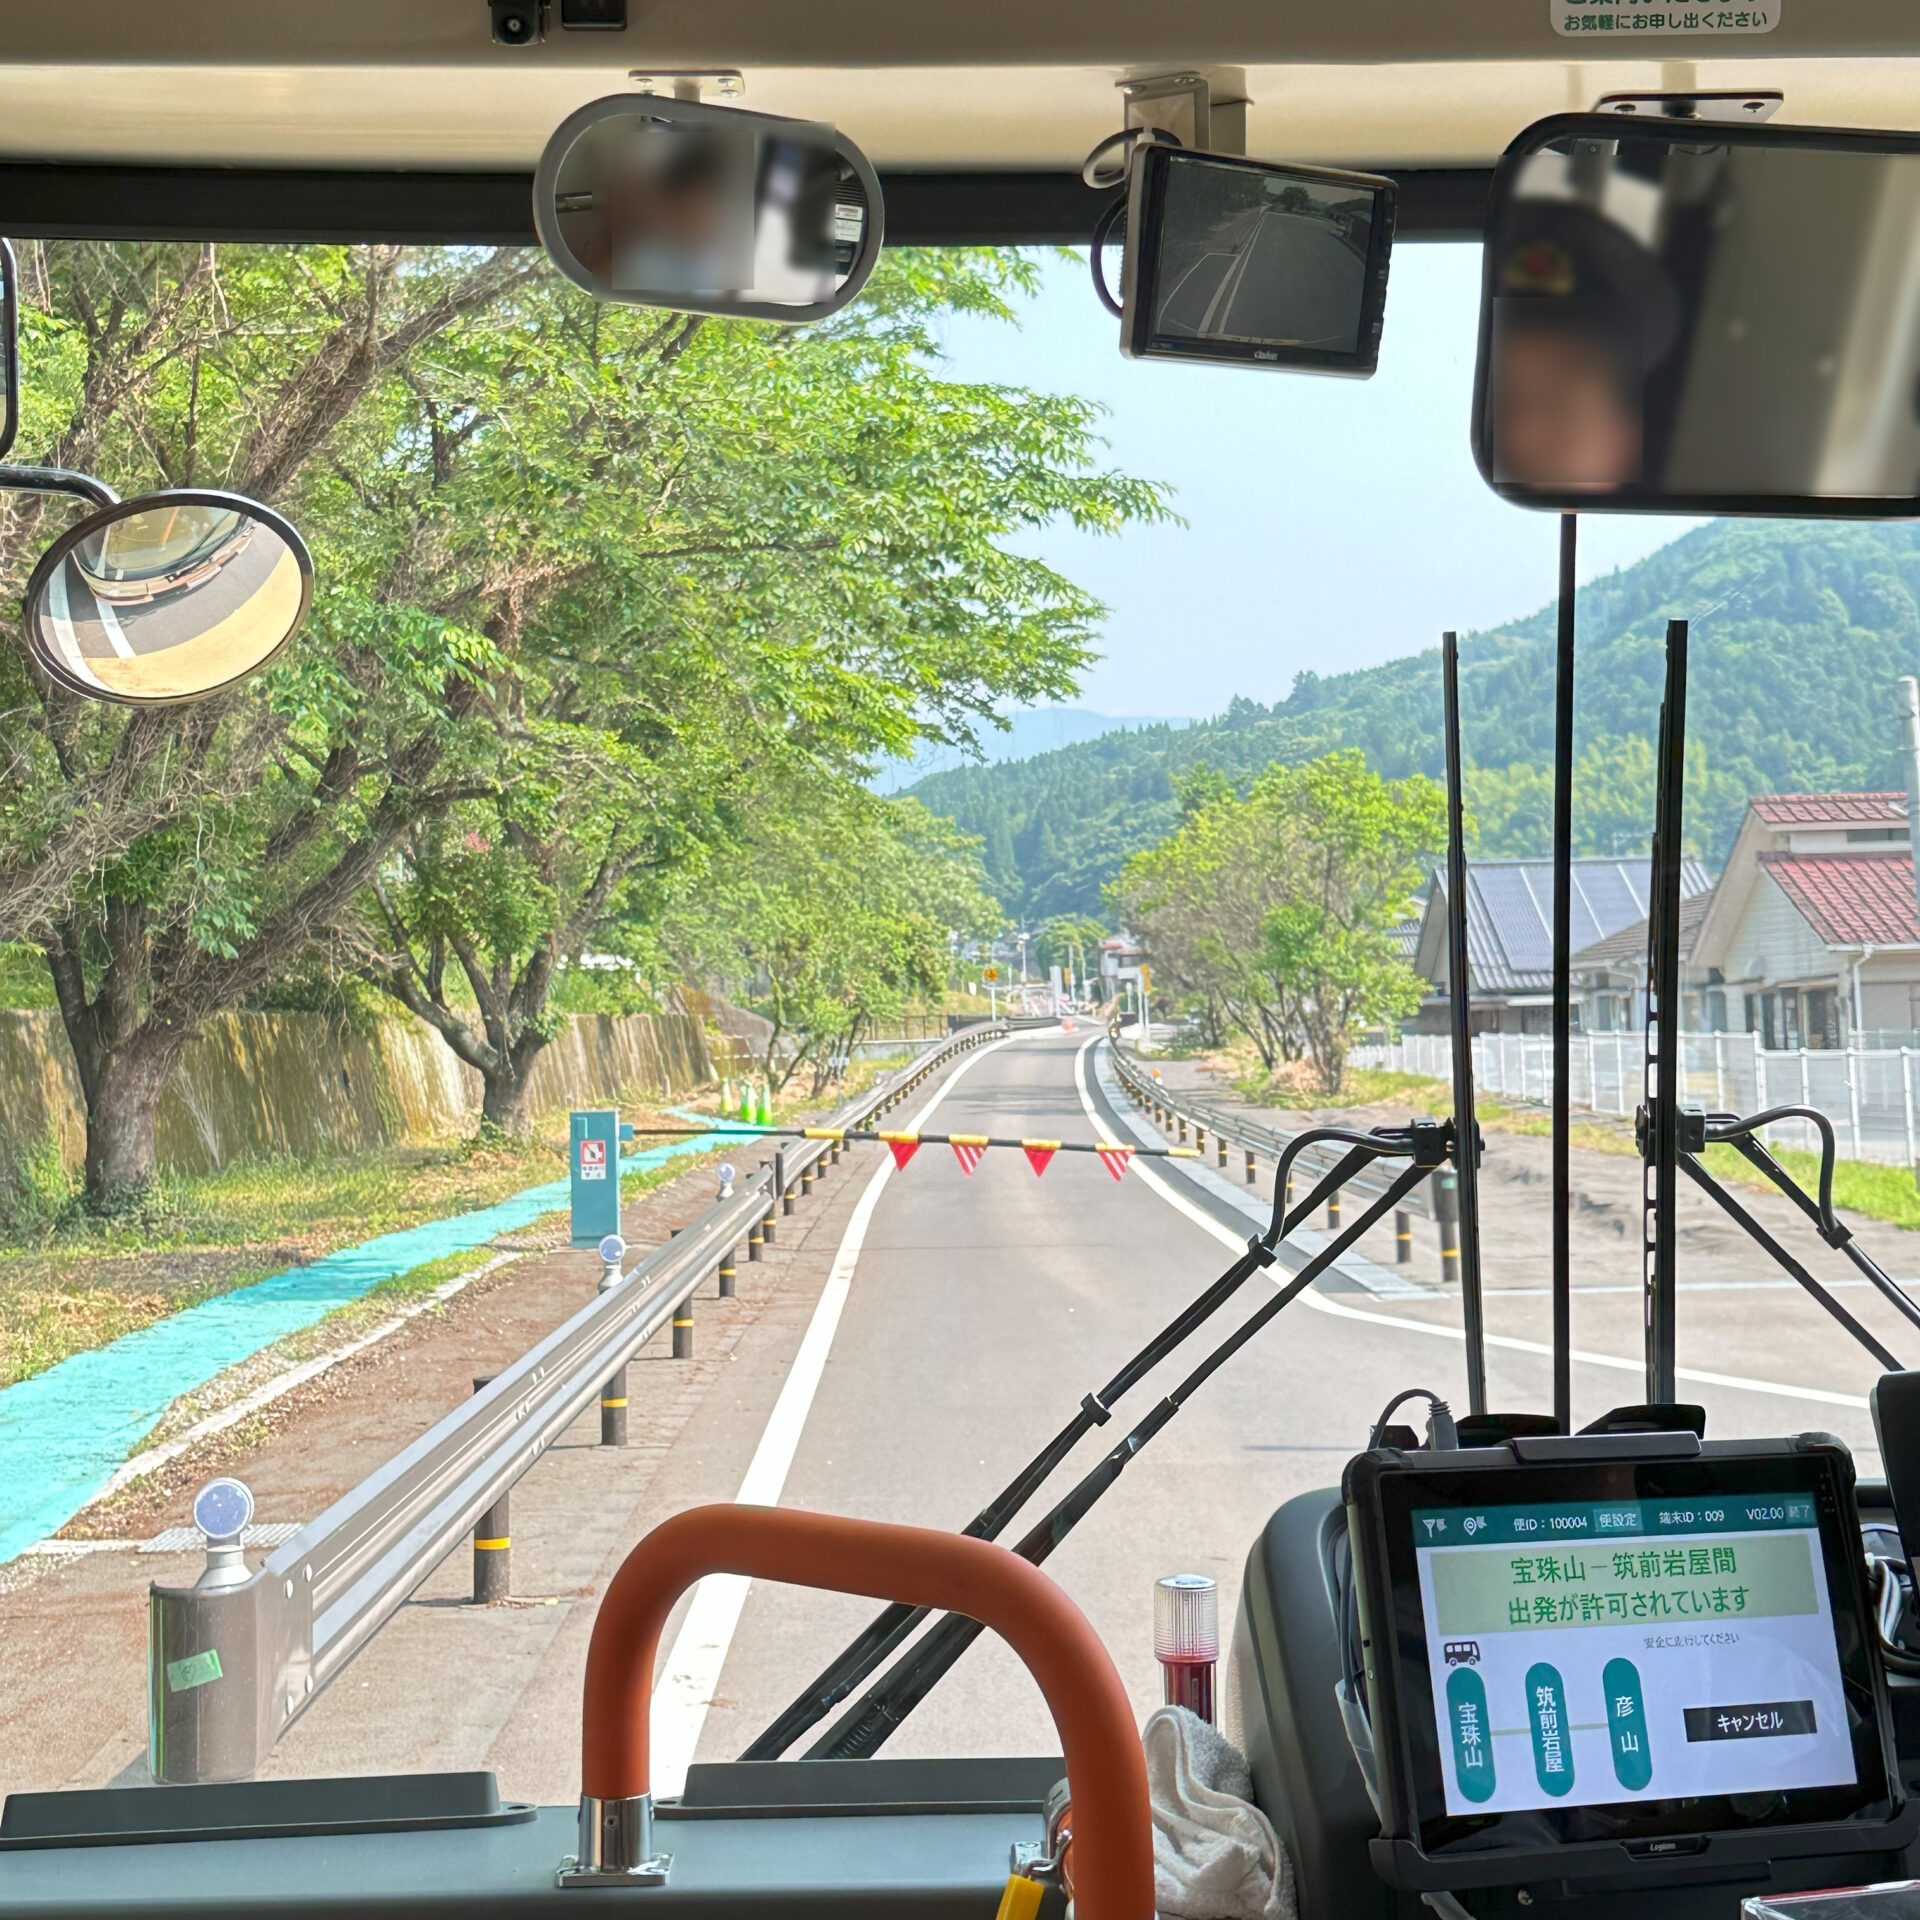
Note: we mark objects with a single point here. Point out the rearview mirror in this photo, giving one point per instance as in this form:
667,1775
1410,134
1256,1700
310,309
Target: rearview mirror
9,351
1702,319
167,598
669,203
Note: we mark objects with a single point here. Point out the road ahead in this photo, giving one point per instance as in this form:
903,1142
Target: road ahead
1271,276
920,1334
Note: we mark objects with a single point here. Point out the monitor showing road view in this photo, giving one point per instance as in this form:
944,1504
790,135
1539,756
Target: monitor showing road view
1262,257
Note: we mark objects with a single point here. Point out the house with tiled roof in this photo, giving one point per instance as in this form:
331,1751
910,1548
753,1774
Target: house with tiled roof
1610,978
1813,934
1510,934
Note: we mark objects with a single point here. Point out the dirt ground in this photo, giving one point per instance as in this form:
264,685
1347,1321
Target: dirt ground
72,1708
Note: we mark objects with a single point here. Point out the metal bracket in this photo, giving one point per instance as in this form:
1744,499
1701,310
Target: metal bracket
649,1873
1719,109
687,83
1183,105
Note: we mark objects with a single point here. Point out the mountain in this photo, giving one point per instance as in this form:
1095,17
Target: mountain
1800,630
1033,730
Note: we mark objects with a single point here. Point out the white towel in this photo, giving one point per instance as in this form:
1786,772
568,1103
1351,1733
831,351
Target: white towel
1215,1855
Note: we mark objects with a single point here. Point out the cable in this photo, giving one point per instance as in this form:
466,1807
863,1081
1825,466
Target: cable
1102,233
1103,179
1444,1434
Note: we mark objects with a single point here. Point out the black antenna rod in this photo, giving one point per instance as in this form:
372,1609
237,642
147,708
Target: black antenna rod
1562,1276
1466,1131
1659,1118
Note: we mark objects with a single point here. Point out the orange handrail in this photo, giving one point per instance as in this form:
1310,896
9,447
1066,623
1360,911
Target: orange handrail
1112,1820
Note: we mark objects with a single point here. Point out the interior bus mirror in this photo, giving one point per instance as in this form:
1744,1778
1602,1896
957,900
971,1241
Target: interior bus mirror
707,209
9,350
167,598
1702,319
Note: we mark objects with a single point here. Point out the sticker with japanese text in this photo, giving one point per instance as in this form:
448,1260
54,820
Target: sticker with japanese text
1641,17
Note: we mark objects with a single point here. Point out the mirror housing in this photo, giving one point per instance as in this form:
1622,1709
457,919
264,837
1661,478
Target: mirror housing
167,598
653,202
1679,317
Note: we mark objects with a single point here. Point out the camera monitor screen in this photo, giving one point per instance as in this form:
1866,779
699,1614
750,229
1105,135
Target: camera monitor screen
1238,261
1588,1652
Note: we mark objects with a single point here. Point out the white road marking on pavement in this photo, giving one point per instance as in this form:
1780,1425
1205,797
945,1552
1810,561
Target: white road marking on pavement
1321,1303
692,1672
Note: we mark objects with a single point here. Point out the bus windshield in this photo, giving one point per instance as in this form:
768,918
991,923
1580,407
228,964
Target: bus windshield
711,729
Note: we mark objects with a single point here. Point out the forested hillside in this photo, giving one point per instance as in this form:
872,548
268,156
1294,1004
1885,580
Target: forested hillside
1800,631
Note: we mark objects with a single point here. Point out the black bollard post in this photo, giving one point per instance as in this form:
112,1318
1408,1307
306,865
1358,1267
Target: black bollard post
683,1329
492,1542
728,1272
1402,1239
613,1410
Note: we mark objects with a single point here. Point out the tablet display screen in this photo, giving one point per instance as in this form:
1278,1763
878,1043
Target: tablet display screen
1583,1652
1633,1651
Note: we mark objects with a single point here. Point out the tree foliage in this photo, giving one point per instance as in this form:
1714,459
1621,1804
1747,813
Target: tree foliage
1273,911
831,917
588,577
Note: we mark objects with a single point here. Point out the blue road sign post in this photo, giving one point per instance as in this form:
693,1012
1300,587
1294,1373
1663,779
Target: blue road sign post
593,1164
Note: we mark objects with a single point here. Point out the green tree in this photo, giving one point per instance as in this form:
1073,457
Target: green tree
1274,909
1070,939
582,572
764,551
832,912
178,860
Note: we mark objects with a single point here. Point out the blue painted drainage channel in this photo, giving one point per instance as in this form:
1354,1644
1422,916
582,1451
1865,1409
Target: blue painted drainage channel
63,1432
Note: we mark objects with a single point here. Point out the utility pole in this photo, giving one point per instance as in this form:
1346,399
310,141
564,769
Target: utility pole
1910,702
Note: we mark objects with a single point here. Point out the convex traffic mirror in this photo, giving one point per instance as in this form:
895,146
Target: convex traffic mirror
1702,319
166,598
671,203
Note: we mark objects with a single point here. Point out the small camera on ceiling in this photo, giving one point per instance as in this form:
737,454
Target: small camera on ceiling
518,23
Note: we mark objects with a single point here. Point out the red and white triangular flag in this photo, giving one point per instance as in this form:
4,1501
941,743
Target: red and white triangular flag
1039,1156
903,1150
1115,1159
968,1154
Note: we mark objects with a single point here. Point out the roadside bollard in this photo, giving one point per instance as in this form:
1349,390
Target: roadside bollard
492,1541
683,1329
1221,1144
779,1195
755,1240
1182,1118
613,1410
1446,1213
1402,1239
806,1183
1333,1213
1251,1175
728,1272
1200,1140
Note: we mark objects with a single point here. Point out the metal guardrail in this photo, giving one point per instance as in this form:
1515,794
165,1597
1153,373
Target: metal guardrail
1435,1199
234,1661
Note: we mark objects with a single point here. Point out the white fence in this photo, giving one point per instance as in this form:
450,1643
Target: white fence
1869,1093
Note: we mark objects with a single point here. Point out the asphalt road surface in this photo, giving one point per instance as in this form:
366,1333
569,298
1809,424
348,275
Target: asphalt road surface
1269,276
923,1333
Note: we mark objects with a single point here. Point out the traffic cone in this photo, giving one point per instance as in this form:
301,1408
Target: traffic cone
766,1106
726,1097
746,1102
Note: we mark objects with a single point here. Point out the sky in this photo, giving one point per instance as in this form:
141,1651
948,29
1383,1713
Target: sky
1331,523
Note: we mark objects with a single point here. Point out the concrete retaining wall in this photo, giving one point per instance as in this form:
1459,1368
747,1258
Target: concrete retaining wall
256,1084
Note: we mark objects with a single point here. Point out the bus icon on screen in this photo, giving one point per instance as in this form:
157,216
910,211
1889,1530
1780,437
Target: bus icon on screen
1461,1653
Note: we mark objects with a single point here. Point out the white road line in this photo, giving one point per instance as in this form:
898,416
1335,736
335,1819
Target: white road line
1322,1303
691,1675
